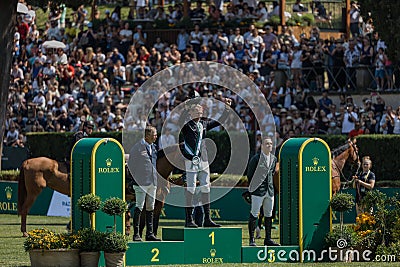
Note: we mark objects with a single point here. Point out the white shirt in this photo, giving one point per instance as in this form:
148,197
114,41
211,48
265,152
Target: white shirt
126,34
347,125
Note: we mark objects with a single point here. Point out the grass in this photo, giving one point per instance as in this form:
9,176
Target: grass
12,252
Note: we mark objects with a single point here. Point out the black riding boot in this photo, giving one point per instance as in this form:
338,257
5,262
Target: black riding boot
205,199
252,226
136,224
149,227
268,228
189,211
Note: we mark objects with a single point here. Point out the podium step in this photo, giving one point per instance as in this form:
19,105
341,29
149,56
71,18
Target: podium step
155,253
270,254
213,245
172,234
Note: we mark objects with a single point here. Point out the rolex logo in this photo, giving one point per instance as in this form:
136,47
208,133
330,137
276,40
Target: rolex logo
8,191
213,252
315,161
108,162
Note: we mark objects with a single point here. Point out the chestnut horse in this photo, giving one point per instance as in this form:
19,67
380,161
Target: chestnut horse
38,173
348,151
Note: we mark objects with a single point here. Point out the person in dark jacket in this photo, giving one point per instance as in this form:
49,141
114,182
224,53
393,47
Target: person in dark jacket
196,161
142,165
260,174
363,183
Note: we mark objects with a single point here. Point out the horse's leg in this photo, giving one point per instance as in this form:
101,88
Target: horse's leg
30,199
335,185
23,224
158,206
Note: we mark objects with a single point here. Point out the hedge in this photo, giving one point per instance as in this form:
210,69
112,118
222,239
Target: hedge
383,149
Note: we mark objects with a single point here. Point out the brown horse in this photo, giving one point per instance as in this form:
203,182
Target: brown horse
348,151
38,173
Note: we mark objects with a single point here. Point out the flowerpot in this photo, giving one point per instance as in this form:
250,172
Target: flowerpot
114,259
90,259
54,257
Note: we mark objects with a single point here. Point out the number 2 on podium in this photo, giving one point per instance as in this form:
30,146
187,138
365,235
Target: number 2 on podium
156,251
212,235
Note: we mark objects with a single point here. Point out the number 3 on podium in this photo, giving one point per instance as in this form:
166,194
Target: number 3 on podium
155,251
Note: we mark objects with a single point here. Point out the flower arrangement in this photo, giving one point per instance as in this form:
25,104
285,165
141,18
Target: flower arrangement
365,223
46,239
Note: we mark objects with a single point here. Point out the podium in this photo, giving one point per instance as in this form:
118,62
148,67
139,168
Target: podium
189,246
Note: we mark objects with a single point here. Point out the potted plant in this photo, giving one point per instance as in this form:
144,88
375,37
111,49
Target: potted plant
342,202
89,203
342,238
47,248
114,206
90,245
115,244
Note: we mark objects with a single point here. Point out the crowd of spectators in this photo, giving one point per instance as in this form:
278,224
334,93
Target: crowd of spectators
56,90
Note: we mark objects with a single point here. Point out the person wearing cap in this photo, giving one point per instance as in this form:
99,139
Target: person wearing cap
139,37
196,160
39,100
260,174
49,70
269,37
349,118
66,74
17,74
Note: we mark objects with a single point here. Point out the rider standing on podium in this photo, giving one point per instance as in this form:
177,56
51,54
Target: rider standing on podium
196,160
260,174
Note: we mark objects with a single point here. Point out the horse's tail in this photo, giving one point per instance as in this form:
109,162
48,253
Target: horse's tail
21,188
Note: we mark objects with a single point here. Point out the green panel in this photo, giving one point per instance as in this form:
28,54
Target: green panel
172,234
270,254
316,180
109,181
213,245
289,191
81,179
97,167
155,253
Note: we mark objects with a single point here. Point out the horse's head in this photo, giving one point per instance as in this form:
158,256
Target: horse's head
353,152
